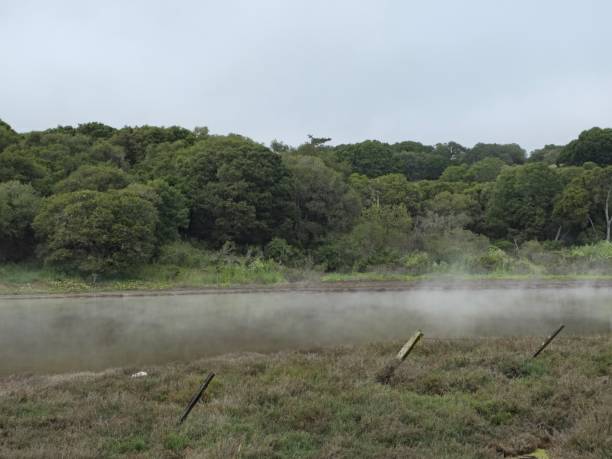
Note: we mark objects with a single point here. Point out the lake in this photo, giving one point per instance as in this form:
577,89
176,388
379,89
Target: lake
54,334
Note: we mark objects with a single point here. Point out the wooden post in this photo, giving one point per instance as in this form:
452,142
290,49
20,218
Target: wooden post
196,397
407,348
384,376
547,342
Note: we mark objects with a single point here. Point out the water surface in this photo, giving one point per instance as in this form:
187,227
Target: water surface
73,334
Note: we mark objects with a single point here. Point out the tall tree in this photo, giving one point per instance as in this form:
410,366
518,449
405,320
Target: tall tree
323,201
593,145
18,206
97,232
522,201
239,190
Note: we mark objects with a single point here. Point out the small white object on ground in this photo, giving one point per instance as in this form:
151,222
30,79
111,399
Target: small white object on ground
140,374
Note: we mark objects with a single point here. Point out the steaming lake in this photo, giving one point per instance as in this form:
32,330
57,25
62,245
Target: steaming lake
71,334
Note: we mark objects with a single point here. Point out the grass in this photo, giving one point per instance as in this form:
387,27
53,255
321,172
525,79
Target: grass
395,277
450,399
24,278
35,279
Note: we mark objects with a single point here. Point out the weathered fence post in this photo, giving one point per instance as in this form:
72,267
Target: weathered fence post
547,342
196,397
384,376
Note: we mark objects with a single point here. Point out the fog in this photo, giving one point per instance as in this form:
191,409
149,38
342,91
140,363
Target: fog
74,334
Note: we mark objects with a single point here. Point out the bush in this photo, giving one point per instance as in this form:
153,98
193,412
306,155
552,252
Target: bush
97,232
417,263
592,257
281,251
494,260
183,254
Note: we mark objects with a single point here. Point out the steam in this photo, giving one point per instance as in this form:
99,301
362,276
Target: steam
70,334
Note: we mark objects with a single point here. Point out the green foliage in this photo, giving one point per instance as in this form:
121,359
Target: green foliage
18,206
7,135
302,204
171,207
97,232
324,203
417,263
455,173
485,170
96,130
136,140
280,251
381,234
509,153
239,191
101,177
593,145
549,154
522,202
371,158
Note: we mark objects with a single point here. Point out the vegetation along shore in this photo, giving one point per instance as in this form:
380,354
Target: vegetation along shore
96,207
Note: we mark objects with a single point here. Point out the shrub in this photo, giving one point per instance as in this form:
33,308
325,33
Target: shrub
281,251
183,254
97,232
417,263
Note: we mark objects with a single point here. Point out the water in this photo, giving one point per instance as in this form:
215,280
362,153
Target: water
74,334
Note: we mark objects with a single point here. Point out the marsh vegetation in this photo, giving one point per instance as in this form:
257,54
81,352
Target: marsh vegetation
476,398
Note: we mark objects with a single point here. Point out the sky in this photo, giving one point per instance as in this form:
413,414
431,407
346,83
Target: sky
524,71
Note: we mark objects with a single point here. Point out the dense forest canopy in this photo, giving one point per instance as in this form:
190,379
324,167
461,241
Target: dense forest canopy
95,199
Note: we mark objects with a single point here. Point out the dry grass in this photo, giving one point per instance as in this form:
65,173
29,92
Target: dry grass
450,399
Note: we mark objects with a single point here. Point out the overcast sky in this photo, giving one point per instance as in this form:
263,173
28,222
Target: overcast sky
532,72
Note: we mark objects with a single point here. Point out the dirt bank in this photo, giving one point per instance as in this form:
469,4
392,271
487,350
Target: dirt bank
341,286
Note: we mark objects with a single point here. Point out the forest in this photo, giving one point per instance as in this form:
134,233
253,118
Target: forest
98,202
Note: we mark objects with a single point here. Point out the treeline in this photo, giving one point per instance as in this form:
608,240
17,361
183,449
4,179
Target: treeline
98,200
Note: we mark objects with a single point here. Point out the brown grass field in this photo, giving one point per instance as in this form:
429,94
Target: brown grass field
472,398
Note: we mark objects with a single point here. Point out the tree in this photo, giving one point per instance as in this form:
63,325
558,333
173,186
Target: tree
522,202
371,158
381,234
95,232
455,173
171,206
485,170
390,189
510,153
238,190
593,145
21,166
18,206
450,210
96,130
104,151
7,135
97,178
136,140
549,154
587,202
323,201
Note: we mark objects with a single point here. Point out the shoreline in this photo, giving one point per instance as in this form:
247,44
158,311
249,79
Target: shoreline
327,287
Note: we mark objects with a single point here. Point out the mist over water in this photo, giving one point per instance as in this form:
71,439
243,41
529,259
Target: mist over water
74,334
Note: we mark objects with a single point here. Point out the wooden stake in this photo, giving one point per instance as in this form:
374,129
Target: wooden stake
196,397
547,342
407,348
384,375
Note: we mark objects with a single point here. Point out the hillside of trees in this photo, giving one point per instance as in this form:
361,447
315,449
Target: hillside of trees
96,200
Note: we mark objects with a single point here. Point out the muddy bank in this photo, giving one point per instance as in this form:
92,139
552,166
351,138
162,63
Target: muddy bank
337,286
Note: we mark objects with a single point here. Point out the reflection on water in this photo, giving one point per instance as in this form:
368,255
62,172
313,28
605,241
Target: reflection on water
68,334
